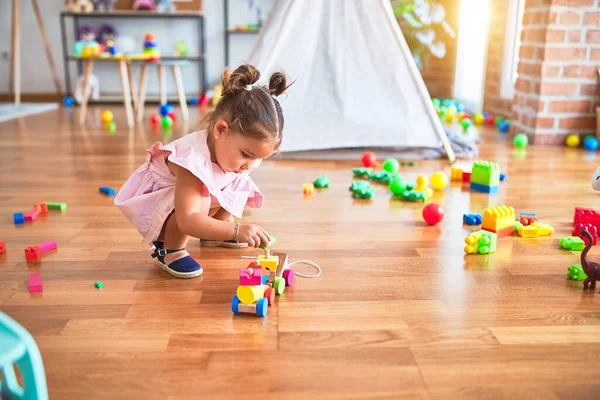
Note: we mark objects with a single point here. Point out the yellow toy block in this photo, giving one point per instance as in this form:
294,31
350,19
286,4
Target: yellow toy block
456,174
498,218
269,263
536,229
308,188
250,294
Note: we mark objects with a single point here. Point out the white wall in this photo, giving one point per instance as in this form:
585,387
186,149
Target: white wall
36,74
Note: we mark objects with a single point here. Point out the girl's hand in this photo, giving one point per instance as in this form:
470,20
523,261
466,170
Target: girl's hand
254,235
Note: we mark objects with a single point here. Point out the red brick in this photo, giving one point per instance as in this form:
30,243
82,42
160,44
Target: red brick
592,36
589,89
573,3
563,54
569,106
531,69
592,18
580,71
550,71
570,17
556,35
578,123
552,17
595,54
536,105
558,89
523,85
544,122
575,36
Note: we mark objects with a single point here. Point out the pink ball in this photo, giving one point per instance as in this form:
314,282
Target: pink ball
433,213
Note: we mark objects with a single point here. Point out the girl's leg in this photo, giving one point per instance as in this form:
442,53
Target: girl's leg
173,239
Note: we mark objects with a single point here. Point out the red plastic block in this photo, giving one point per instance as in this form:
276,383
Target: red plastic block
46,246
466,177
2,247
592,229
41,207
32,254
31,215
251,275
35,283
204,100
586,216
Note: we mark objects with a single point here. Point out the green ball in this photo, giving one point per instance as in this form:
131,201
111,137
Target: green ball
498,119
466,123
112,127
397,186
521,140
166,121
436,102
391,165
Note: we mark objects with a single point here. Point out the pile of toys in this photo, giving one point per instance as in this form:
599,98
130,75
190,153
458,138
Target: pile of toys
586,223
151,51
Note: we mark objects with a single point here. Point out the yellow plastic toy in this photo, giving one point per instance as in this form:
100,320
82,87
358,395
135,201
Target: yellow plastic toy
439,180
422,186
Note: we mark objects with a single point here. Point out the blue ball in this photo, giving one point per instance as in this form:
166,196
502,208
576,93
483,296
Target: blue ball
504,126
165,109
193,101
503,177
68,101
590,143
485,115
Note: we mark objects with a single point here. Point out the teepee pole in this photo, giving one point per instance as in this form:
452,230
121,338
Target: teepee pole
418,79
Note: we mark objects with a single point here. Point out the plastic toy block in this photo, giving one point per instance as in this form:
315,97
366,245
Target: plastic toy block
259,308
497,218
31,215
503,177
362,189
269,263
98,284
481,242
573,243
471,219
107,190
591,229
56,206
41,207
382,176
32,254
583,215
575,273
35,282
250,294
483,188
308,188
411,195
362,172
46,246
517,226
466,177
252,275
18,218
485,173
536,229
527,218
2,247
456,174
321,182
271,243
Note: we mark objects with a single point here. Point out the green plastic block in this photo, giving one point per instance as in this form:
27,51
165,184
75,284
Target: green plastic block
56,206
517,226
411,195
575,273
485,173
361,172
488,240
99,284
382,176
271,243
362,189
321,182
572,243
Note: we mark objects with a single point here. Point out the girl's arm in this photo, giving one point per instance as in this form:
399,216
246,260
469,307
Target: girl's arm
191,213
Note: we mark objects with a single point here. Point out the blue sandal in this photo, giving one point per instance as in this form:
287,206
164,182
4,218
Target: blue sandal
185,267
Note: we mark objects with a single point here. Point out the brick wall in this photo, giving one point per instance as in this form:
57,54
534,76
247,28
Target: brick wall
493,102
557,89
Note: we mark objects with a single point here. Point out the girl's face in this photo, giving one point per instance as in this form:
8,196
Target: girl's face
236,152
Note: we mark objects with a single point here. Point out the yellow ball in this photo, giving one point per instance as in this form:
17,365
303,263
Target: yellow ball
106,116
449,116
439,180
572,140
478,119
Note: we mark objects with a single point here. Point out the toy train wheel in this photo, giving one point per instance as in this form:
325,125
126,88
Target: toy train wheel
288,275
262,305
279,285
270,296
234,304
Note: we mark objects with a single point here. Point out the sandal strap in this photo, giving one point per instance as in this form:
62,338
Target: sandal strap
164,252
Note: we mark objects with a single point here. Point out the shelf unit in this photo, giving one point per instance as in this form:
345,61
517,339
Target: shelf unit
125,14
229,31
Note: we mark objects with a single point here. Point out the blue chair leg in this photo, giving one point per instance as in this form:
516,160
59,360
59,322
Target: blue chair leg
34,376
10,386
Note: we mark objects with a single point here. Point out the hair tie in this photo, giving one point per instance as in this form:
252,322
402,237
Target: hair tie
249,87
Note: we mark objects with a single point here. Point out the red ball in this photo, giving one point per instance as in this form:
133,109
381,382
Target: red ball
489,120
433,213
172,115
155,119
368,159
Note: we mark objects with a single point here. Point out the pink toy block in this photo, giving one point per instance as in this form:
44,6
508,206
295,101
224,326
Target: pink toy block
41,207
2,247
35,283
31,215
32,254
251,275
46,246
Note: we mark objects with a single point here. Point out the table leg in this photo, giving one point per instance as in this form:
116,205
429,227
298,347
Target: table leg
180,92
134,94
142,95
89,67
163,84
126,92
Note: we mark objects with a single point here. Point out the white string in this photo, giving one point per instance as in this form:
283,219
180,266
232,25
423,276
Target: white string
311,263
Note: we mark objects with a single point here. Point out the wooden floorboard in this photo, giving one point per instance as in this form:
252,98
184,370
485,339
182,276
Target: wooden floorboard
399,311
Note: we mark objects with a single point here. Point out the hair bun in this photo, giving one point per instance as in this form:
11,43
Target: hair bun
237,80
278,84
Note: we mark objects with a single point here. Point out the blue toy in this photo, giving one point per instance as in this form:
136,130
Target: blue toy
68,101
590,143
193,101
19,218
503,177
165,109
108,191
504,126
471,219
18,347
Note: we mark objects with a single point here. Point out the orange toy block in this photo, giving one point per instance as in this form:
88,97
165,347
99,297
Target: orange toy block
456,174
500,220
41,207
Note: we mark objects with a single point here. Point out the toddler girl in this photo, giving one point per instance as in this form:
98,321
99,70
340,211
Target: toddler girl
194,186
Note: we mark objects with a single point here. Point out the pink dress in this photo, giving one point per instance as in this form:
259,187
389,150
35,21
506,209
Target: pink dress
148,197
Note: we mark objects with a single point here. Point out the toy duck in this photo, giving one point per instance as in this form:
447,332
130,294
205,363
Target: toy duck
422,186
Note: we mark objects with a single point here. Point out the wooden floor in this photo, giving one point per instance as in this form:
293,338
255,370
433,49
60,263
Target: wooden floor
399,312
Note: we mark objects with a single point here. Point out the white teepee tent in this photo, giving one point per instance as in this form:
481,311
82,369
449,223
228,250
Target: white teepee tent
356,83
